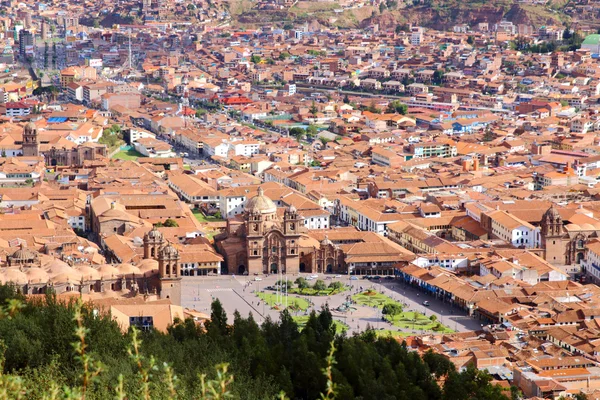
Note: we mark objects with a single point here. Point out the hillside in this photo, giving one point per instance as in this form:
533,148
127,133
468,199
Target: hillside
441,14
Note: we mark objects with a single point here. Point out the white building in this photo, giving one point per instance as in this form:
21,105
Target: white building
136,133
513,230
245,148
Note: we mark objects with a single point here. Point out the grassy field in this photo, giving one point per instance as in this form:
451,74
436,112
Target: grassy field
373,299
313,292
127,155
202,218
391,333
294,303
418,322
340,327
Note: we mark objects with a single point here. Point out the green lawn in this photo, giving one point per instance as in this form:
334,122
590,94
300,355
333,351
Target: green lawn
127,155
416,321
202,218
294,303
187,167
373,299
340,327
391,333
313,292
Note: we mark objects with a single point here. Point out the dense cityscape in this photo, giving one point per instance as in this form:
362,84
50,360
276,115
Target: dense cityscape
300,199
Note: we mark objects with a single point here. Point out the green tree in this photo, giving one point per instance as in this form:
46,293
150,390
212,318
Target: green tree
301,283
396,106
373,108
438,76
217,327
392,309
346,99
312,131
470,40
313,109
324,140
284,55
381,8
255,59
438,364
319,285
171,223
297,132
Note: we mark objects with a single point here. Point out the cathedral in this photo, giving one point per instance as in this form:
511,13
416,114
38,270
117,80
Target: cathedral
263,241
268,240
32,146
157,274
564,244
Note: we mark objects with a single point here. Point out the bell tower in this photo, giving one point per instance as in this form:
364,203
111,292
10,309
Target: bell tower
552,240
291,221
168,272
153,241
552,223
31,146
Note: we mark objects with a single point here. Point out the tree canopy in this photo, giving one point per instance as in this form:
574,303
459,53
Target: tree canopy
44,351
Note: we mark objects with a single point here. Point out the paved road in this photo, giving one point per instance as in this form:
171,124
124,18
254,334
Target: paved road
238,293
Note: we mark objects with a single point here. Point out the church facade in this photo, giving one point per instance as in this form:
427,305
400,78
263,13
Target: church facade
32,147
565,244
263,242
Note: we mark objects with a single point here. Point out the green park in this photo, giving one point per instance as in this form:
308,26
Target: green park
278,302
303,287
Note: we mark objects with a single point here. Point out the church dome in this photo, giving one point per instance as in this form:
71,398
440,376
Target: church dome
89,273
37,275
13,275
552,213
326,241
148,267
154,235
24,254
30,127
169,252
107,271
260,204
128,269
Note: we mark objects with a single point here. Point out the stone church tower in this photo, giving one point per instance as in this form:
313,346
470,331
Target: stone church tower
552,236
168,272
31,145
153,241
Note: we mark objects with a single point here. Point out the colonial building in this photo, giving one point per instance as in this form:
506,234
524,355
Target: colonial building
565,244
59,156
261,241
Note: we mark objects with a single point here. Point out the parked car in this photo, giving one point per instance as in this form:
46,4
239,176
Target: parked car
315,276
354,278
257,279
337,276
426,303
